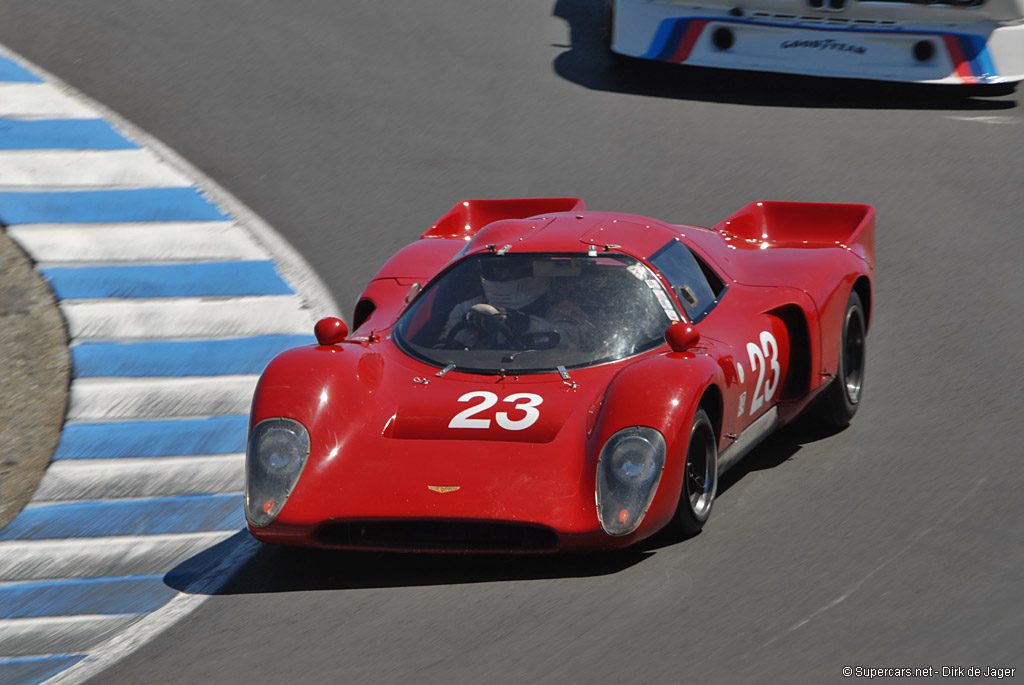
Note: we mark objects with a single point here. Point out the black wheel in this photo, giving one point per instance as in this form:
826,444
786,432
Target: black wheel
614,58
841,398
700,480
609,25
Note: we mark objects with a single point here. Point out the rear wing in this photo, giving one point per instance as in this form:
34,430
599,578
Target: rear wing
466,218
806,224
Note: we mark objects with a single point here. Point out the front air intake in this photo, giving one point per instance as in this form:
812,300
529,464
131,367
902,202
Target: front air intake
437,535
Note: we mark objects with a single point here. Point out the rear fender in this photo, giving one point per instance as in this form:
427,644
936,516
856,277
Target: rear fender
381,303
800,317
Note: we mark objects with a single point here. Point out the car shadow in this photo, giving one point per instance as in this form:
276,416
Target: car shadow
272,568
588,62
777,449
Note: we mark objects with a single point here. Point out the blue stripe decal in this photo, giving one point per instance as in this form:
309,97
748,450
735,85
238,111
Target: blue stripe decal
179,437
190,358
10,71
212,279
32,670
666,39
158,516
103,206
103,596
976,53
61,134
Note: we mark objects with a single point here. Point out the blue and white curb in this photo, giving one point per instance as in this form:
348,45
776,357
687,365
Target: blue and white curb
175,297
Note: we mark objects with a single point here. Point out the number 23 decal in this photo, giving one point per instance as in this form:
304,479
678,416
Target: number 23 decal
525,402
765,357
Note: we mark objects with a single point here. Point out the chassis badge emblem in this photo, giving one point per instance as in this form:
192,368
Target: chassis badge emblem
444,488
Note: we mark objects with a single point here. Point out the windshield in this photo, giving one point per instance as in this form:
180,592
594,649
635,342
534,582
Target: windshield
526,313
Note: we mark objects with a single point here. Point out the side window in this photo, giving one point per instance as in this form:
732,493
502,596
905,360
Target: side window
696,285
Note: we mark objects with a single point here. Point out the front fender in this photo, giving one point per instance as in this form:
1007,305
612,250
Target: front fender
322,387
661,391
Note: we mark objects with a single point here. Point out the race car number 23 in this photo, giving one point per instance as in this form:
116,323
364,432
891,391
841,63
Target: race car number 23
524,402
764,358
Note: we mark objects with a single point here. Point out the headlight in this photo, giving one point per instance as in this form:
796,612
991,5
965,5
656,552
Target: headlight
277,452
628,472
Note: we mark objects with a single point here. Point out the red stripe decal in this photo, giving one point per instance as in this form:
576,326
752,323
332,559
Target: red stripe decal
682,53
961,66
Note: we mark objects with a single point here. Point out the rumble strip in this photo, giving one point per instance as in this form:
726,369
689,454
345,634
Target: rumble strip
175,297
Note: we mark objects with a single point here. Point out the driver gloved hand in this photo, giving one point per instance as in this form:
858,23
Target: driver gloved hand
479,314
518,322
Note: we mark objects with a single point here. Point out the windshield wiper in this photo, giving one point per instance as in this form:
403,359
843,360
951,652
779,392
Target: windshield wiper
509,358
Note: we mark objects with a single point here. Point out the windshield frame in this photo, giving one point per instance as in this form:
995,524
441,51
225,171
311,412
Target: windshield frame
666,302
701,275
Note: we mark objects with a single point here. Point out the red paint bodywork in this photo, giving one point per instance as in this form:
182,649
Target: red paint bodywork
378,419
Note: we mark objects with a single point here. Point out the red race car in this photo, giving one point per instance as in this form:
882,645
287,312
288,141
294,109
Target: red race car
530,376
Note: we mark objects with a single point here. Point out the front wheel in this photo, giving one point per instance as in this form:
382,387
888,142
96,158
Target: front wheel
700,480
841,398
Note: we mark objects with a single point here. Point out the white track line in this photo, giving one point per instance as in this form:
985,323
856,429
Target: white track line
996,119
24,560
103,656
90,479
40,101
67,634
191,317
204,240
113,399
86,170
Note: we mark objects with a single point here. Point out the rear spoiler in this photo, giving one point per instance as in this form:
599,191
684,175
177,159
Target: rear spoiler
806,224
466,218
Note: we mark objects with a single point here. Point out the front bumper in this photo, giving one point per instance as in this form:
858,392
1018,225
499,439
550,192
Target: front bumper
968,53
473,496
438,536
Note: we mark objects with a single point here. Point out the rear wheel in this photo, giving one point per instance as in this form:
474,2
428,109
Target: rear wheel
700,480
614,58
840,400
609,25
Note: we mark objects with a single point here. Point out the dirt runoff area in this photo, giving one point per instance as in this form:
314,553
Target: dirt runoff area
35,371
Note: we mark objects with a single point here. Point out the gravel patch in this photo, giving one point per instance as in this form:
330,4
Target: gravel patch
35,373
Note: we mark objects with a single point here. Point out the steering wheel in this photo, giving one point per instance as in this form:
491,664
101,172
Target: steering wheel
489,322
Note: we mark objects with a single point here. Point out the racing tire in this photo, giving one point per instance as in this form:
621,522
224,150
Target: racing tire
614,58
840,400
609,25
700,479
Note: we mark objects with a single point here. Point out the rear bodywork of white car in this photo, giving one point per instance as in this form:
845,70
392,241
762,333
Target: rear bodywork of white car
945,41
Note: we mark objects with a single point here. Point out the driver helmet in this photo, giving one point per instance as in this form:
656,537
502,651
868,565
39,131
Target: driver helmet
509,283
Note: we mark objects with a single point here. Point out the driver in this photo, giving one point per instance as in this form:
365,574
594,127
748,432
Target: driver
514,302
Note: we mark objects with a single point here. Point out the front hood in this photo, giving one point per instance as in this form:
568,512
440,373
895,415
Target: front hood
480,408
374,388
389,438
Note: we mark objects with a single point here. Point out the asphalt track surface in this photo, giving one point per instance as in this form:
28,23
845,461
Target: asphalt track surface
351,126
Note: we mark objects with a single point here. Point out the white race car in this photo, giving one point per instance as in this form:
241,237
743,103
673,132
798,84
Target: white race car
927,41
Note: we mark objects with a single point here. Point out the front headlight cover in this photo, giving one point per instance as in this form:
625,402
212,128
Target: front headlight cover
277,452
628,472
